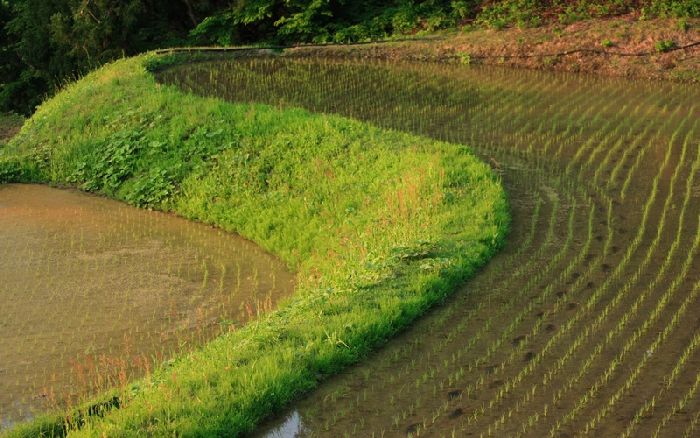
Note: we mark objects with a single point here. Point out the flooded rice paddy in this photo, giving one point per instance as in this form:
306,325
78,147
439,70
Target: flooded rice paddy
96,293
587,323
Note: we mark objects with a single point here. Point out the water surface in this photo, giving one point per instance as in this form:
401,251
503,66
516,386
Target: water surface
96,293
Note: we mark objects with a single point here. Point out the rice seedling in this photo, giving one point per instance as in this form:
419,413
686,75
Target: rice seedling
598,151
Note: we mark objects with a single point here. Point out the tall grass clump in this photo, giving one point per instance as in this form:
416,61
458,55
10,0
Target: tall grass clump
379,225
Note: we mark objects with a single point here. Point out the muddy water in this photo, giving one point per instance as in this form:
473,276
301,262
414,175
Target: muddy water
95,293
588,321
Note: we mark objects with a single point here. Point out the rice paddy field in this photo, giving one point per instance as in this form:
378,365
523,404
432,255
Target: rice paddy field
97,293
587,322
159,321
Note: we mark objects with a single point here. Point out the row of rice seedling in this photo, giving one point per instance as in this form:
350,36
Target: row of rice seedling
632,138
669,380
585,334
679,406
668,289
621,322
637,148
591,142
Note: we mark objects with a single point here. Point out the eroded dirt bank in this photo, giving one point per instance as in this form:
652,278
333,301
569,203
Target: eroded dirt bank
625,46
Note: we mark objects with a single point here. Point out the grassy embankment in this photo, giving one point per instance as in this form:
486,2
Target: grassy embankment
379,225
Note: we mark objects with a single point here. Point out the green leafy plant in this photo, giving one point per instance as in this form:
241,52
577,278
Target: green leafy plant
109,163
464,58
664,46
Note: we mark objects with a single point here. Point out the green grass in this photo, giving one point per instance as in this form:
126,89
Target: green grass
379,225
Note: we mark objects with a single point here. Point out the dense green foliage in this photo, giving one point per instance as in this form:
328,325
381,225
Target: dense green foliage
330,21
378,224
345,20
43,43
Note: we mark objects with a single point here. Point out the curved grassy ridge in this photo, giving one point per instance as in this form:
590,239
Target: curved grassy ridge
379,225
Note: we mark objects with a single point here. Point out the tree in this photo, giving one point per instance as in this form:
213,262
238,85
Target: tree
47,42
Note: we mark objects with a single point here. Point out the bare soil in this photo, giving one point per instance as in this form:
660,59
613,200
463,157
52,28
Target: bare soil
10,125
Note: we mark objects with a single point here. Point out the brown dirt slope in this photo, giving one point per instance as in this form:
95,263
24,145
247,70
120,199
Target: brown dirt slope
9,126
621,46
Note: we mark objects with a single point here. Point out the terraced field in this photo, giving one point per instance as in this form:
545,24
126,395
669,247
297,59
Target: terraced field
588,322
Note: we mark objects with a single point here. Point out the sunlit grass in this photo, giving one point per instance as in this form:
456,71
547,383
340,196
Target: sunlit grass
378,224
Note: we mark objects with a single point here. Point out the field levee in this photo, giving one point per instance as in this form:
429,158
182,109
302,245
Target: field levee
379,226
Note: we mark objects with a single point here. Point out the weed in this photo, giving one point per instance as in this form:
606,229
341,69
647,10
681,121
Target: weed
464,58
664,46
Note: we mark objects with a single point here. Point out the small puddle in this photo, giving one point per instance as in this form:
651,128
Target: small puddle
95,293
290,426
